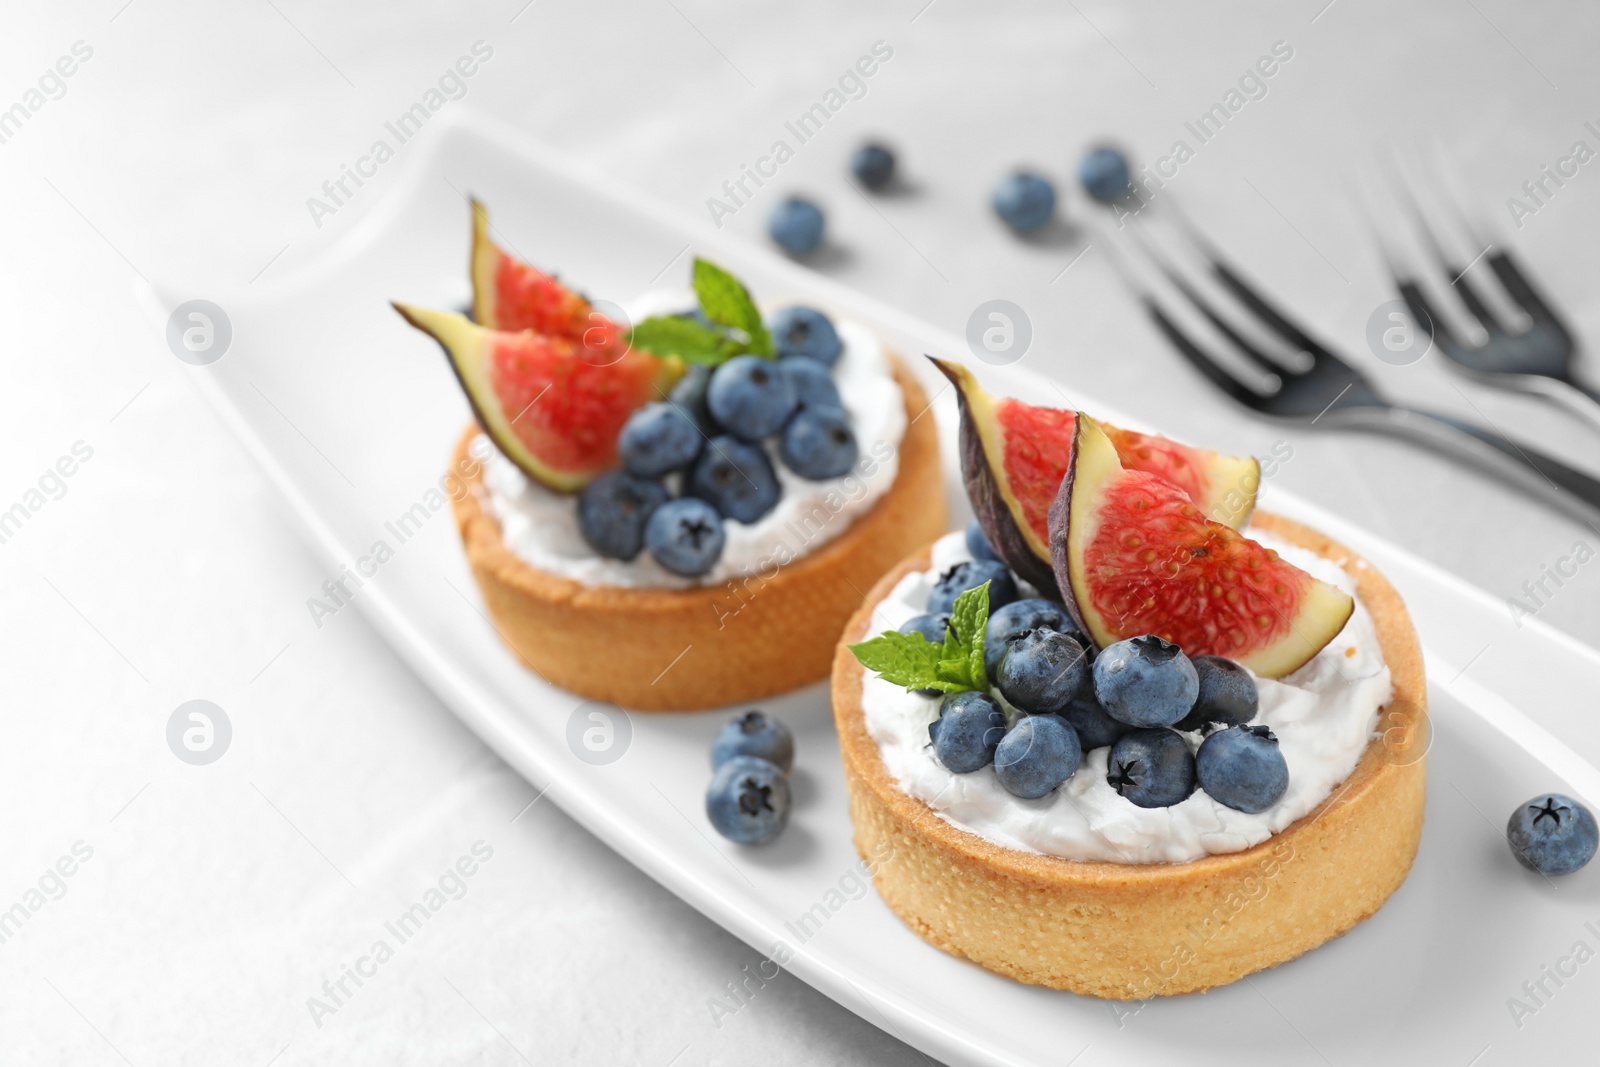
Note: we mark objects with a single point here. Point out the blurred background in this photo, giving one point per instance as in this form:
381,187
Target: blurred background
188,142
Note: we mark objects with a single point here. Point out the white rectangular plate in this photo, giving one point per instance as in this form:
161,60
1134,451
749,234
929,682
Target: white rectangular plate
352,414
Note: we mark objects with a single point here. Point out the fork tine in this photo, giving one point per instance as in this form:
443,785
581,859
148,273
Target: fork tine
1521,290
1198,356
1471,299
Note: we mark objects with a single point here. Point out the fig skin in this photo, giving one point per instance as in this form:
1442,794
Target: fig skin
1059,521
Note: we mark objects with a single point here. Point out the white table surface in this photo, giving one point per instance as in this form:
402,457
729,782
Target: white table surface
217,899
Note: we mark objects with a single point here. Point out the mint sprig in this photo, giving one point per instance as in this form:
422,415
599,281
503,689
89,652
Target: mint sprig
737,327
912,661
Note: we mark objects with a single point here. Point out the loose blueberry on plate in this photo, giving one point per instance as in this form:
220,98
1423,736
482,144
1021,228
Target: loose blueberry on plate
1015,618
748,800
1152,768
749,398
1040,671
685,536
1228,694
819,444
1552,834
690,396
812,384
796,225
1084,714
1036,755
1024,202
658,438
1145,681
1104,175
803,331
757,734
978,542
873,165
613,510
968,730
734,477
932,628
969,575
1242,768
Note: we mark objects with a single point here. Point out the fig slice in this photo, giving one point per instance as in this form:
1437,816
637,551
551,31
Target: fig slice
508,294
1134,555
1014,455
552,404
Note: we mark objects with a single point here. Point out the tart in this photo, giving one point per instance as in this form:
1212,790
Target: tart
1130,931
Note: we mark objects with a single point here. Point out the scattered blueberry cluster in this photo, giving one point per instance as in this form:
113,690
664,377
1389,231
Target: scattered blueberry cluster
1023,200
1552,834
1133,696
748,798
708,435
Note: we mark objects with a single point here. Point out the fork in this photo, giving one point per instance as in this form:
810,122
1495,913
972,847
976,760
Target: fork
1330,389
1536,359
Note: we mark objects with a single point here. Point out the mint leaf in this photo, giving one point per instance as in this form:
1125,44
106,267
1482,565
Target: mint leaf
668,335
908,660
725,300
912,661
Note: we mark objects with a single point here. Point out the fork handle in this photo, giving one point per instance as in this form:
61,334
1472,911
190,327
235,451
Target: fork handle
1526,467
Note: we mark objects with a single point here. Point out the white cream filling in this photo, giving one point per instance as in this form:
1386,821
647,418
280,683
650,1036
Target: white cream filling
541,527
1324,715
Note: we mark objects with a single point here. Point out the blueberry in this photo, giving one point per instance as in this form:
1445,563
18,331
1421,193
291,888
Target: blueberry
1227,694
658,438
1104,174
754,734
613,510
1151,768
748,800
749,398
963,576
812,384
1037,754
685,536
690,395
1242,768
1008,622
796,224
735,478
1024,202
819,444
978,542
1145,681
803,331
1041,671
1084,714
969,729
873,165
1552,834
931,627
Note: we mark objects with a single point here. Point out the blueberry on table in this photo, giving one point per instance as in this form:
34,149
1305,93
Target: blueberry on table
969,729
1010,621
1552,834
748,800
613,510
978,542
969,575
805,331
796,225
1036,755
755,733
1242,768
1104,175
658,438
685,536
1024,201
819,444
1040,671
1145,681
734,477
812,384
749,398
1151,768
873,165
1228,694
